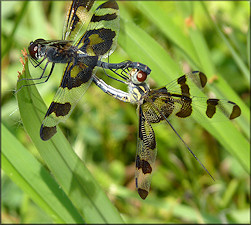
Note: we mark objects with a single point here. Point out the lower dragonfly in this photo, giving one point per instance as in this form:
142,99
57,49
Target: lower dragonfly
156,105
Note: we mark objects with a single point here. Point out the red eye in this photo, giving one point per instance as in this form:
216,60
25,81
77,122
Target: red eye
141,76
33,49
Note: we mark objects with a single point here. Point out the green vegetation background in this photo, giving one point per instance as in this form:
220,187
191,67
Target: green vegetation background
171,38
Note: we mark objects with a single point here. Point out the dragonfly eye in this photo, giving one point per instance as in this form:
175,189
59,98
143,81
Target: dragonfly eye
33,50
138,76
141,76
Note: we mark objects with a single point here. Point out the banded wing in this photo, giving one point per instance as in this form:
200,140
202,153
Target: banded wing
101,36
76,80
98,40
154,109
190,82
146,154
75,18
180,100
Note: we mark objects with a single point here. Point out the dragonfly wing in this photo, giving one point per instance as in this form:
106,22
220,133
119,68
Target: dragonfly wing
101,36
204,109
190,84
181,98
75,18
146,154
76,80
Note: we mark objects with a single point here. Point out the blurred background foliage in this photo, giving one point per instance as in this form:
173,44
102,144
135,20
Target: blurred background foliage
103,130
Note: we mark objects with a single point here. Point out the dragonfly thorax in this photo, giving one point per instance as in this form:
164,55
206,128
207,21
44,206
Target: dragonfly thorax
137,93
138,88
58,55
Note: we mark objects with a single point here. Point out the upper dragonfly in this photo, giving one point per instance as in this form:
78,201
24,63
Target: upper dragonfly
156,105
81,56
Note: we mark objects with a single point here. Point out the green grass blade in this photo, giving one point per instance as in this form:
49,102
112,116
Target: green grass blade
35,180
248,45
68,170
166,24
235,55
11,36
141,47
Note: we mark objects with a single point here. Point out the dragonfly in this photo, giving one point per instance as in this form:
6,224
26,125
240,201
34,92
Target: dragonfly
156,105
81,56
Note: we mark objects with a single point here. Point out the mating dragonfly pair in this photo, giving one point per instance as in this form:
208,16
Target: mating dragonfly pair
84,54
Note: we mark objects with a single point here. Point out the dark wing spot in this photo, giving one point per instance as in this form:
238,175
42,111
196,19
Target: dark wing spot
203,79
107,36
101,44
211,107
138,166
106,17
144,165
183,86
75,76
186,108
60,109
47,132
236,111
142,193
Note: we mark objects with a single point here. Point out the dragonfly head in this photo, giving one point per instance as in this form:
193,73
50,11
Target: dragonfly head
138,76
35,48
